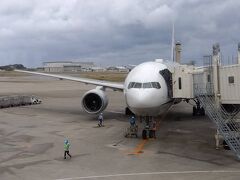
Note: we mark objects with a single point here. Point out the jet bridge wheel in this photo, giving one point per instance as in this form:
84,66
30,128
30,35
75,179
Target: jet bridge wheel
194,111
150,133
197,111
225,145
202,111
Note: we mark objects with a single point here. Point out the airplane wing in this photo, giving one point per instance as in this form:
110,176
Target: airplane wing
106,84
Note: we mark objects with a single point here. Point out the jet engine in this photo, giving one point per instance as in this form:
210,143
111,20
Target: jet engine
95,101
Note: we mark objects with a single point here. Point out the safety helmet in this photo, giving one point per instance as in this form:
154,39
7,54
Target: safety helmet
65,141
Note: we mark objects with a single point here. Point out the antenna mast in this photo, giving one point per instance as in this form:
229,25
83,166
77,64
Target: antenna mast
173,42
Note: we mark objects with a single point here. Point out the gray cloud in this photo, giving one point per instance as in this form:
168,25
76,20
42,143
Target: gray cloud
114,31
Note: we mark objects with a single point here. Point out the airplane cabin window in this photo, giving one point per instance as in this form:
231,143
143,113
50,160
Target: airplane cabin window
137,85
147,85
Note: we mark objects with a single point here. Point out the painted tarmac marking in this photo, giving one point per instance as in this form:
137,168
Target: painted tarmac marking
147,173
139,148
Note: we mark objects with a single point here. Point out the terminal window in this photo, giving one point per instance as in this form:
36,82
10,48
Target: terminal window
231,79
179,83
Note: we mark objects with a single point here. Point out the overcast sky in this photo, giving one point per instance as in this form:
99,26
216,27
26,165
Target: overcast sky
114,32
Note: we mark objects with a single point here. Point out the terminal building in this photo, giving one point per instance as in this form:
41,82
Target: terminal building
67,66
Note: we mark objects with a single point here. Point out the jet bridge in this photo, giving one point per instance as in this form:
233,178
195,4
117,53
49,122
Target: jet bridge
217,89
225,86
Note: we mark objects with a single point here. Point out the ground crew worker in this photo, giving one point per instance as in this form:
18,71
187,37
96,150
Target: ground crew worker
66,148
100,120
132,121
217,139
154,128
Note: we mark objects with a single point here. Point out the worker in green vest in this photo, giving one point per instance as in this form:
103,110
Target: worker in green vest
66,148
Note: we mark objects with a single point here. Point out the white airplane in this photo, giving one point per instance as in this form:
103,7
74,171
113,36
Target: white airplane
146,89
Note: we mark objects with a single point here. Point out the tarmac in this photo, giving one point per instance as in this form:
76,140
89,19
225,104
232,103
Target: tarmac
32,137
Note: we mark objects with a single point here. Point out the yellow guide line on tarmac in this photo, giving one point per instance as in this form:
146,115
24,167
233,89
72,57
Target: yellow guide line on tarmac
139,148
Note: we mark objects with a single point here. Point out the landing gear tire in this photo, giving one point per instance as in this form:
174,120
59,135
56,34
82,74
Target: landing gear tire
194,111
144,134
225,146
202,111
198,111
150,134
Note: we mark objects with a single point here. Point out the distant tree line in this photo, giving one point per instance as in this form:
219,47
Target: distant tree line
12,67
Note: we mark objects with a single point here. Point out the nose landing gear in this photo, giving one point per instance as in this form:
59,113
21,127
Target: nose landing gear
149,128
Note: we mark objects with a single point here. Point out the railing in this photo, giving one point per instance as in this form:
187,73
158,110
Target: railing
225,122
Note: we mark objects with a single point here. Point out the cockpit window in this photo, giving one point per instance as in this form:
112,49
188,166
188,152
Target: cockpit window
156,85
137,85
130,85
146,85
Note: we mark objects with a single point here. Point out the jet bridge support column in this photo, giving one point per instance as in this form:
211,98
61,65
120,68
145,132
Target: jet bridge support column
216,85
216,63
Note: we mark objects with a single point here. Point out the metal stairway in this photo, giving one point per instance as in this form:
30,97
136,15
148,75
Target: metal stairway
225,122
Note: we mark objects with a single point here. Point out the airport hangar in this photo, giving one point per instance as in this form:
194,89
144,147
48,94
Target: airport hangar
67,66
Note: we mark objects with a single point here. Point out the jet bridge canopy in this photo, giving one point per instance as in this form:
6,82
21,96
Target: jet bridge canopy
186,78
182,79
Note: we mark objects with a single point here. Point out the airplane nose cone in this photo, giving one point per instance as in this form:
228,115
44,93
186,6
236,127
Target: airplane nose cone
142,99
144,102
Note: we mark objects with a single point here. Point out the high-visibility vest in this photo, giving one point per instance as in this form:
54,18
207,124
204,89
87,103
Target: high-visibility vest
66,147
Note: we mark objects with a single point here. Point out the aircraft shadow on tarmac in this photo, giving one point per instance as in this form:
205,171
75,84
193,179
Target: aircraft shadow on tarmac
78,111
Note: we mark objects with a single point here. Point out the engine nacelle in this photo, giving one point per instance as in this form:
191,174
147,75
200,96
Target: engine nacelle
95,101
